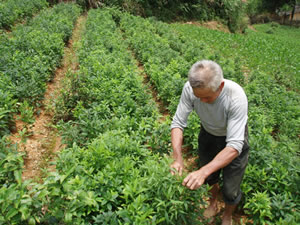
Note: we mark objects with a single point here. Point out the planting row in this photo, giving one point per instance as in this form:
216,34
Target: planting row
164,53
257,51
167,59
113,178
29,59
12,11
30,56
262,89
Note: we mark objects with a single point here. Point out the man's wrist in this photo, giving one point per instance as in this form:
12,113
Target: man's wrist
178,159
205,171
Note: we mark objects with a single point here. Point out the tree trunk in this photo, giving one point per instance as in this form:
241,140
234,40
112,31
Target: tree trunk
284,17
293,12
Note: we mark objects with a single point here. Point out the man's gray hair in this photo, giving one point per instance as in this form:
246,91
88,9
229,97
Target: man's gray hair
206,74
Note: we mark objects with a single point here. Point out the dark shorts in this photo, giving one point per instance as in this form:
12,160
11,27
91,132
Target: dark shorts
232,174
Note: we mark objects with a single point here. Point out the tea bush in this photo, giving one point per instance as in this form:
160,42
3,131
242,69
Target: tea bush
108,175
30,57
12,11
270,103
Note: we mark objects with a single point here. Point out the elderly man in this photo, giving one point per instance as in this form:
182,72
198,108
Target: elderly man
223,140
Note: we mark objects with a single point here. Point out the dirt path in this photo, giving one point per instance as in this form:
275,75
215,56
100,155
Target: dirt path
43,140
190,159
146,80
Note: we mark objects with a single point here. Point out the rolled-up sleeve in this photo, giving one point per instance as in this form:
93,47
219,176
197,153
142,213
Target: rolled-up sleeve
184,108
237,121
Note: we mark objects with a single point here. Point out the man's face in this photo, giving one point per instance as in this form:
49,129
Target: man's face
206,95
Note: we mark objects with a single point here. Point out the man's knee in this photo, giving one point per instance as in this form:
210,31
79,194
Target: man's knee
231,195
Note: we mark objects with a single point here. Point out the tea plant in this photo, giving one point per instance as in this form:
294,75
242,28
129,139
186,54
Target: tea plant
269,127
125,184
108,135
30,57
7,108
114,170
31,54
12,11
26,113
34,51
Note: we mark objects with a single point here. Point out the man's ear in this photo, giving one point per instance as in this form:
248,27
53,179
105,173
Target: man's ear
221,85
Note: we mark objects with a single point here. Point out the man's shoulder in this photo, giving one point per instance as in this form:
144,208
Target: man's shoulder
187,92
187,88
187,85
234,90
232,84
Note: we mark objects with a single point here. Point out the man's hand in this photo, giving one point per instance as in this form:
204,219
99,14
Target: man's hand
195,179
178,166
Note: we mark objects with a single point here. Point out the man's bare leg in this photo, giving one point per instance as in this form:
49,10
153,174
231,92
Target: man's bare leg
212,209
227,215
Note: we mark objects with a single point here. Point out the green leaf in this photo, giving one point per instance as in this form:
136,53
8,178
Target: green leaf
25,212
11,213
18,176
68,217
31,221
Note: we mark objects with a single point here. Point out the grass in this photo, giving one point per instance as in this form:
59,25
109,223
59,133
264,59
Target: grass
284,32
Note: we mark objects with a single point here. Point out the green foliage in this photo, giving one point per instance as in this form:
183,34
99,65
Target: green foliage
7,108
12,11
260,206
11,163
90,100
254,7
30,56
18,204
26,113
159,140
285,33
270,103
35,50
110,172
115,180
232,12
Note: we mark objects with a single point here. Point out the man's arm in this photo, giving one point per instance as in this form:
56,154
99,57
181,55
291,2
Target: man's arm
179,122
195,179
177,139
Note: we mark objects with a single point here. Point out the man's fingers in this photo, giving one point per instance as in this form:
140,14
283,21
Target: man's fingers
176,168
172,171
192,182
180,171
195,185
186,180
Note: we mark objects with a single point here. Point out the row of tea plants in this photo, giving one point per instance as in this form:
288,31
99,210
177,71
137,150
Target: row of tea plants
276,55
12,11
168,51
274,112
29,56
108,175
167,59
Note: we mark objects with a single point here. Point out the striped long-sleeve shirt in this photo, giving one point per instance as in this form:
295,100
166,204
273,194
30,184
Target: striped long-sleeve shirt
226,116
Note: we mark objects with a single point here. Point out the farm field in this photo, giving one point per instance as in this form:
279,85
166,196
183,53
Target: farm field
12,11
111,116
